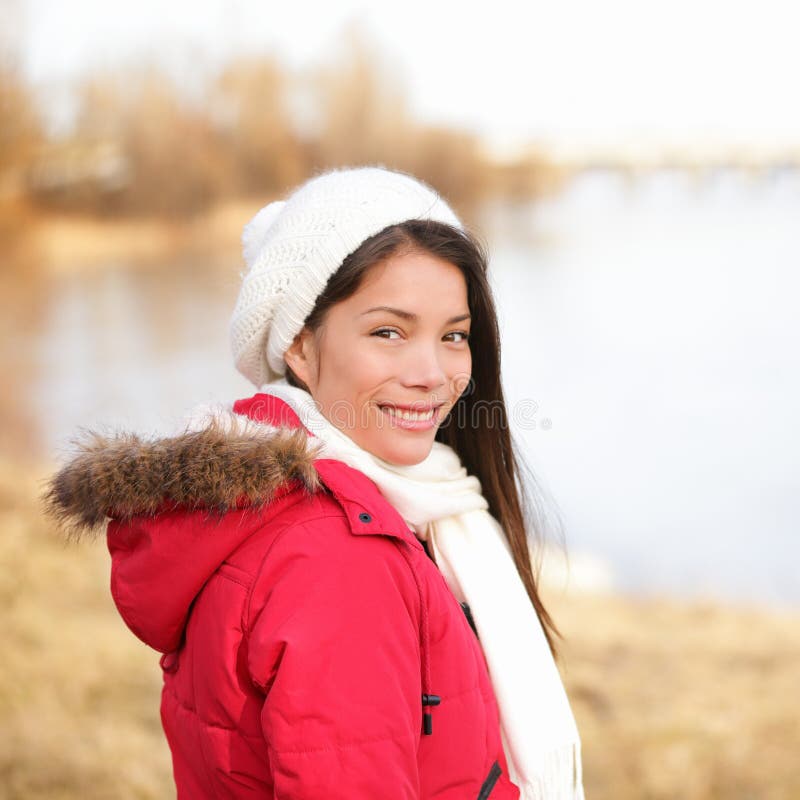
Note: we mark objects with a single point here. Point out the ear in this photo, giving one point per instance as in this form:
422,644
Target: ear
301,357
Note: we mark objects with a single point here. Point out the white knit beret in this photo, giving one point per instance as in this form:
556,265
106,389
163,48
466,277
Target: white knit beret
291,248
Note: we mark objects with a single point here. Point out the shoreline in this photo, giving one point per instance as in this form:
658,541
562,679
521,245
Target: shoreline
61,243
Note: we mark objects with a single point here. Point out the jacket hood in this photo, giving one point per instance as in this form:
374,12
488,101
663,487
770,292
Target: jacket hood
176,506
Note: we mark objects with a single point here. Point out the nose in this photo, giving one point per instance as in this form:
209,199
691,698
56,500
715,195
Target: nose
424,368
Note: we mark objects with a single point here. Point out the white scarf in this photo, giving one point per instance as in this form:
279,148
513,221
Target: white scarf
444,506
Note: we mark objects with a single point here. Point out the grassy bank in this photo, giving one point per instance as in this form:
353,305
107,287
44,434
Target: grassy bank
673,700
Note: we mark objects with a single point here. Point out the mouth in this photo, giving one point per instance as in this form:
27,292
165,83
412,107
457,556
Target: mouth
411,418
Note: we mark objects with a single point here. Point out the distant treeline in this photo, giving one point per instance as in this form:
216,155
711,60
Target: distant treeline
143,145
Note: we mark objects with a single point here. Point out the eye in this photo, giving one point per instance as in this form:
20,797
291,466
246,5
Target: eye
463,334
381,331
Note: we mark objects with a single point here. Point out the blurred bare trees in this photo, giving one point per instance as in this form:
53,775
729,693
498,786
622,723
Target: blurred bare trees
364,116
250,105
20,126
142,145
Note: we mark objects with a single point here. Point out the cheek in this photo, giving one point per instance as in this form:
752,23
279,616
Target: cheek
459,372
353,372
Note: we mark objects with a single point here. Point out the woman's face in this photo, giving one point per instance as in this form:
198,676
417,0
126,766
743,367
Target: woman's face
389,362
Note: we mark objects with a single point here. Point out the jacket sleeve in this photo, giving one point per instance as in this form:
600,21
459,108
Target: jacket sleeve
334,644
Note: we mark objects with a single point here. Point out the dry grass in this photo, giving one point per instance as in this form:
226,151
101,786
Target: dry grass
78,693
673,701
689,701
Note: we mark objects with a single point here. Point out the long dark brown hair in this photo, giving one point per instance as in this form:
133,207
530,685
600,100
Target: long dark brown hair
477,425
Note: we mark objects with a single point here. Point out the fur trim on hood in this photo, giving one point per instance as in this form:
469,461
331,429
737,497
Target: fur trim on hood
215,467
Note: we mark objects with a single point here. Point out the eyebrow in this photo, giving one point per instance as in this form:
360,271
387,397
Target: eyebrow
409,316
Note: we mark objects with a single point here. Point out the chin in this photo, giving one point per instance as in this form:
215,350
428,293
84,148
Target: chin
403,453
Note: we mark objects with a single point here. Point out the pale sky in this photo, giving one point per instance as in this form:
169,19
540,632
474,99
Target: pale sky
564,70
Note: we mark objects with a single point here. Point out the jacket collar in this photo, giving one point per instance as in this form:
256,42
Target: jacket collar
366,508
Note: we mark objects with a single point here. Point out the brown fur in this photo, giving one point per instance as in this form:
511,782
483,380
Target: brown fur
124,475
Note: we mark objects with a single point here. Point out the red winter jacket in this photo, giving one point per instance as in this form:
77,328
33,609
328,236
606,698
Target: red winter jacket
312,648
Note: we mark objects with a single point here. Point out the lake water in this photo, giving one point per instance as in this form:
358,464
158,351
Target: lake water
651,358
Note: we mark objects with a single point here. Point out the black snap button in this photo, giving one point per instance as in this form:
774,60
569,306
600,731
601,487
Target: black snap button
364,517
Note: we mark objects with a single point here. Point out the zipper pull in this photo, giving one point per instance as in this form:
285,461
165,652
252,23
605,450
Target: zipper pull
427,722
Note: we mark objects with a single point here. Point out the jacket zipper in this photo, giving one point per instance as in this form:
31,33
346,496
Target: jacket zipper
491,780
468,614
428,698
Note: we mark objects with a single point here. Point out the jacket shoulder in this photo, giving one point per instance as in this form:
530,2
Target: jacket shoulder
314,550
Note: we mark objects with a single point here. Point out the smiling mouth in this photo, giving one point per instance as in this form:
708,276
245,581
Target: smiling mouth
423,418
414,416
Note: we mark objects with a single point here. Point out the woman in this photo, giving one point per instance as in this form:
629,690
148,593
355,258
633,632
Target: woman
336,568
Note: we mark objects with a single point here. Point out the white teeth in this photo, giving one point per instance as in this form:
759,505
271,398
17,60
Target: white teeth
413,416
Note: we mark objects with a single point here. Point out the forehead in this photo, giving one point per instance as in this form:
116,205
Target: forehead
416,277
